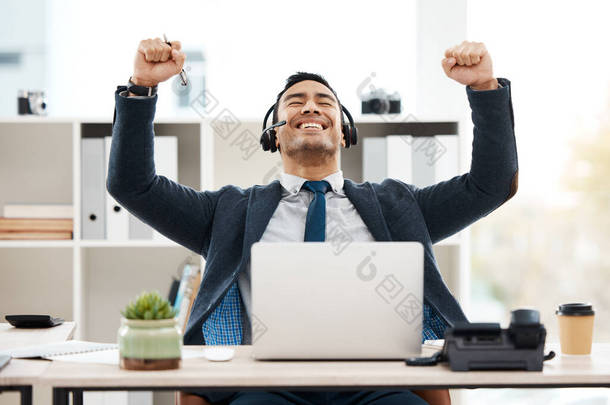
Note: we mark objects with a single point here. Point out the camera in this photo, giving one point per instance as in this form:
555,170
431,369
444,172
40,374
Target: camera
31,102
379,102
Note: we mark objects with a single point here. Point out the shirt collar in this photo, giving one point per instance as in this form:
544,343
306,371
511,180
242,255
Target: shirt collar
293,184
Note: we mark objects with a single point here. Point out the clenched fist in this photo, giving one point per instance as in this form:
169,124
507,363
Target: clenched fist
469,63
156,61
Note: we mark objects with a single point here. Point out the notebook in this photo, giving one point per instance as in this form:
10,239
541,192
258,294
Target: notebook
57,349
82,352
112,356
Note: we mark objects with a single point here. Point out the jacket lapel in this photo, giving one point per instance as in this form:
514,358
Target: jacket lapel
365,200
261,206
264,201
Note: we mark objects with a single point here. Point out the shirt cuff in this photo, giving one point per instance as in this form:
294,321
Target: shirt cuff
125,93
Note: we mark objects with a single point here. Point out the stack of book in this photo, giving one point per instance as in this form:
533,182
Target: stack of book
36,222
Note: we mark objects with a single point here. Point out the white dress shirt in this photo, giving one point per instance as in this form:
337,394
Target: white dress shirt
288,221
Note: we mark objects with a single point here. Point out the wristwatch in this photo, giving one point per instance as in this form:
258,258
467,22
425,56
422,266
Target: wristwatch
141,90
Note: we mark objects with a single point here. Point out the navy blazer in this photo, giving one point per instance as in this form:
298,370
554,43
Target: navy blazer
223,224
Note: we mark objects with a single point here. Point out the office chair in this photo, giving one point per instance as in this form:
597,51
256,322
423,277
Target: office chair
182,398
432,397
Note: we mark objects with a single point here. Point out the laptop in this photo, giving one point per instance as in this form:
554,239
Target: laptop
316,300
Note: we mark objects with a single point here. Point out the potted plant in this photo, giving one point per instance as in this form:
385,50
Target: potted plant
149,336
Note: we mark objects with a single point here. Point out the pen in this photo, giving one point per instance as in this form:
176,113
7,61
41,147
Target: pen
182,72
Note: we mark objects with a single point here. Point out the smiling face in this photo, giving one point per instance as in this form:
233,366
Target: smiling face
312,132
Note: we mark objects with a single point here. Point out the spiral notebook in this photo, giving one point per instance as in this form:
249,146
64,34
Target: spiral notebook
77,351
58,349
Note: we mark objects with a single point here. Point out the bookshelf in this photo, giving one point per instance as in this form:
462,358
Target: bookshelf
89,281
41,164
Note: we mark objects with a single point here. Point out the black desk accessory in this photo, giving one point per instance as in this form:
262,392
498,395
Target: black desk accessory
33,321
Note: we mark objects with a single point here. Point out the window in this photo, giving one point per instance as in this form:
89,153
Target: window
546,246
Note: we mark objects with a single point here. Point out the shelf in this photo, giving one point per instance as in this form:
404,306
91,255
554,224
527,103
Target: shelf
126,243
36,243
85,243
413,128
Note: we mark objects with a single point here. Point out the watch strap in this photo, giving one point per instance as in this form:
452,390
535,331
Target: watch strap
141,90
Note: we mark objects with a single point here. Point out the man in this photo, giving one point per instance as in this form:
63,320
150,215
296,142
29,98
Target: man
222,225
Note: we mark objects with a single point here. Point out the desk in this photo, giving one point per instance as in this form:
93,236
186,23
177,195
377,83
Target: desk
245,373
21,374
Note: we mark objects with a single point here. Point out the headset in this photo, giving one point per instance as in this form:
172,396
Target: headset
268,137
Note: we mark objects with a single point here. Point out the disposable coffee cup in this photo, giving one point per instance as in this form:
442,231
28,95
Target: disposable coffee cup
575,327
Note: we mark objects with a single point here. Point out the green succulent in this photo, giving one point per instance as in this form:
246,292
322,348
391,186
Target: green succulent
149,305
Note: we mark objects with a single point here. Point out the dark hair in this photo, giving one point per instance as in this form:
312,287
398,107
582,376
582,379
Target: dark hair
299,77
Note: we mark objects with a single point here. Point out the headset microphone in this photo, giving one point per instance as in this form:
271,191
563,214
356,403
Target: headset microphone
268,136
279,124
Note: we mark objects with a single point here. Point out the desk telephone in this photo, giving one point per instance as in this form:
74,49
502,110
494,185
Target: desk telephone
486,346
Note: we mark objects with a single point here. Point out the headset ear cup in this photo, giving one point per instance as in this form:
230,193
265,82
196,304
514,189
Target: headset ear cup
346,134
272,137
265,141
354,136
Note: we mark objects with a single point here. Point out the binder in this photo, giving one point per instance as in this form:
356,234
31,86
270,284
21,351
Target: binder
387,157
166,164
117,219
423,158
399,162
122,225
374,159
93,186
421,161
138,229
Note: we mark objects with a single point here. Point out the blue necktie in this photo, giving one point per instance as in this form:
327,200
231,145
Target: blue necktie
315,226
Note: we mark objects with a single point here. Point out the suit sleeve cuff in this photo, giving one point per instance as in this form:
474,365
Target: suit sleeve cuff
499,87
484,97
125,94
138,108
491,105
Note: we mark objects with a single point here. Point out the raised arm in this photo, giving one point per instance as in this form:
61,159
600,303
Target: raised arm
177,211
452,205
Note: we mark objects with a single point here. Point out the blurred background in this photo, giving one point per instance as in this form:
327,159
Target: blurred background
542,248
